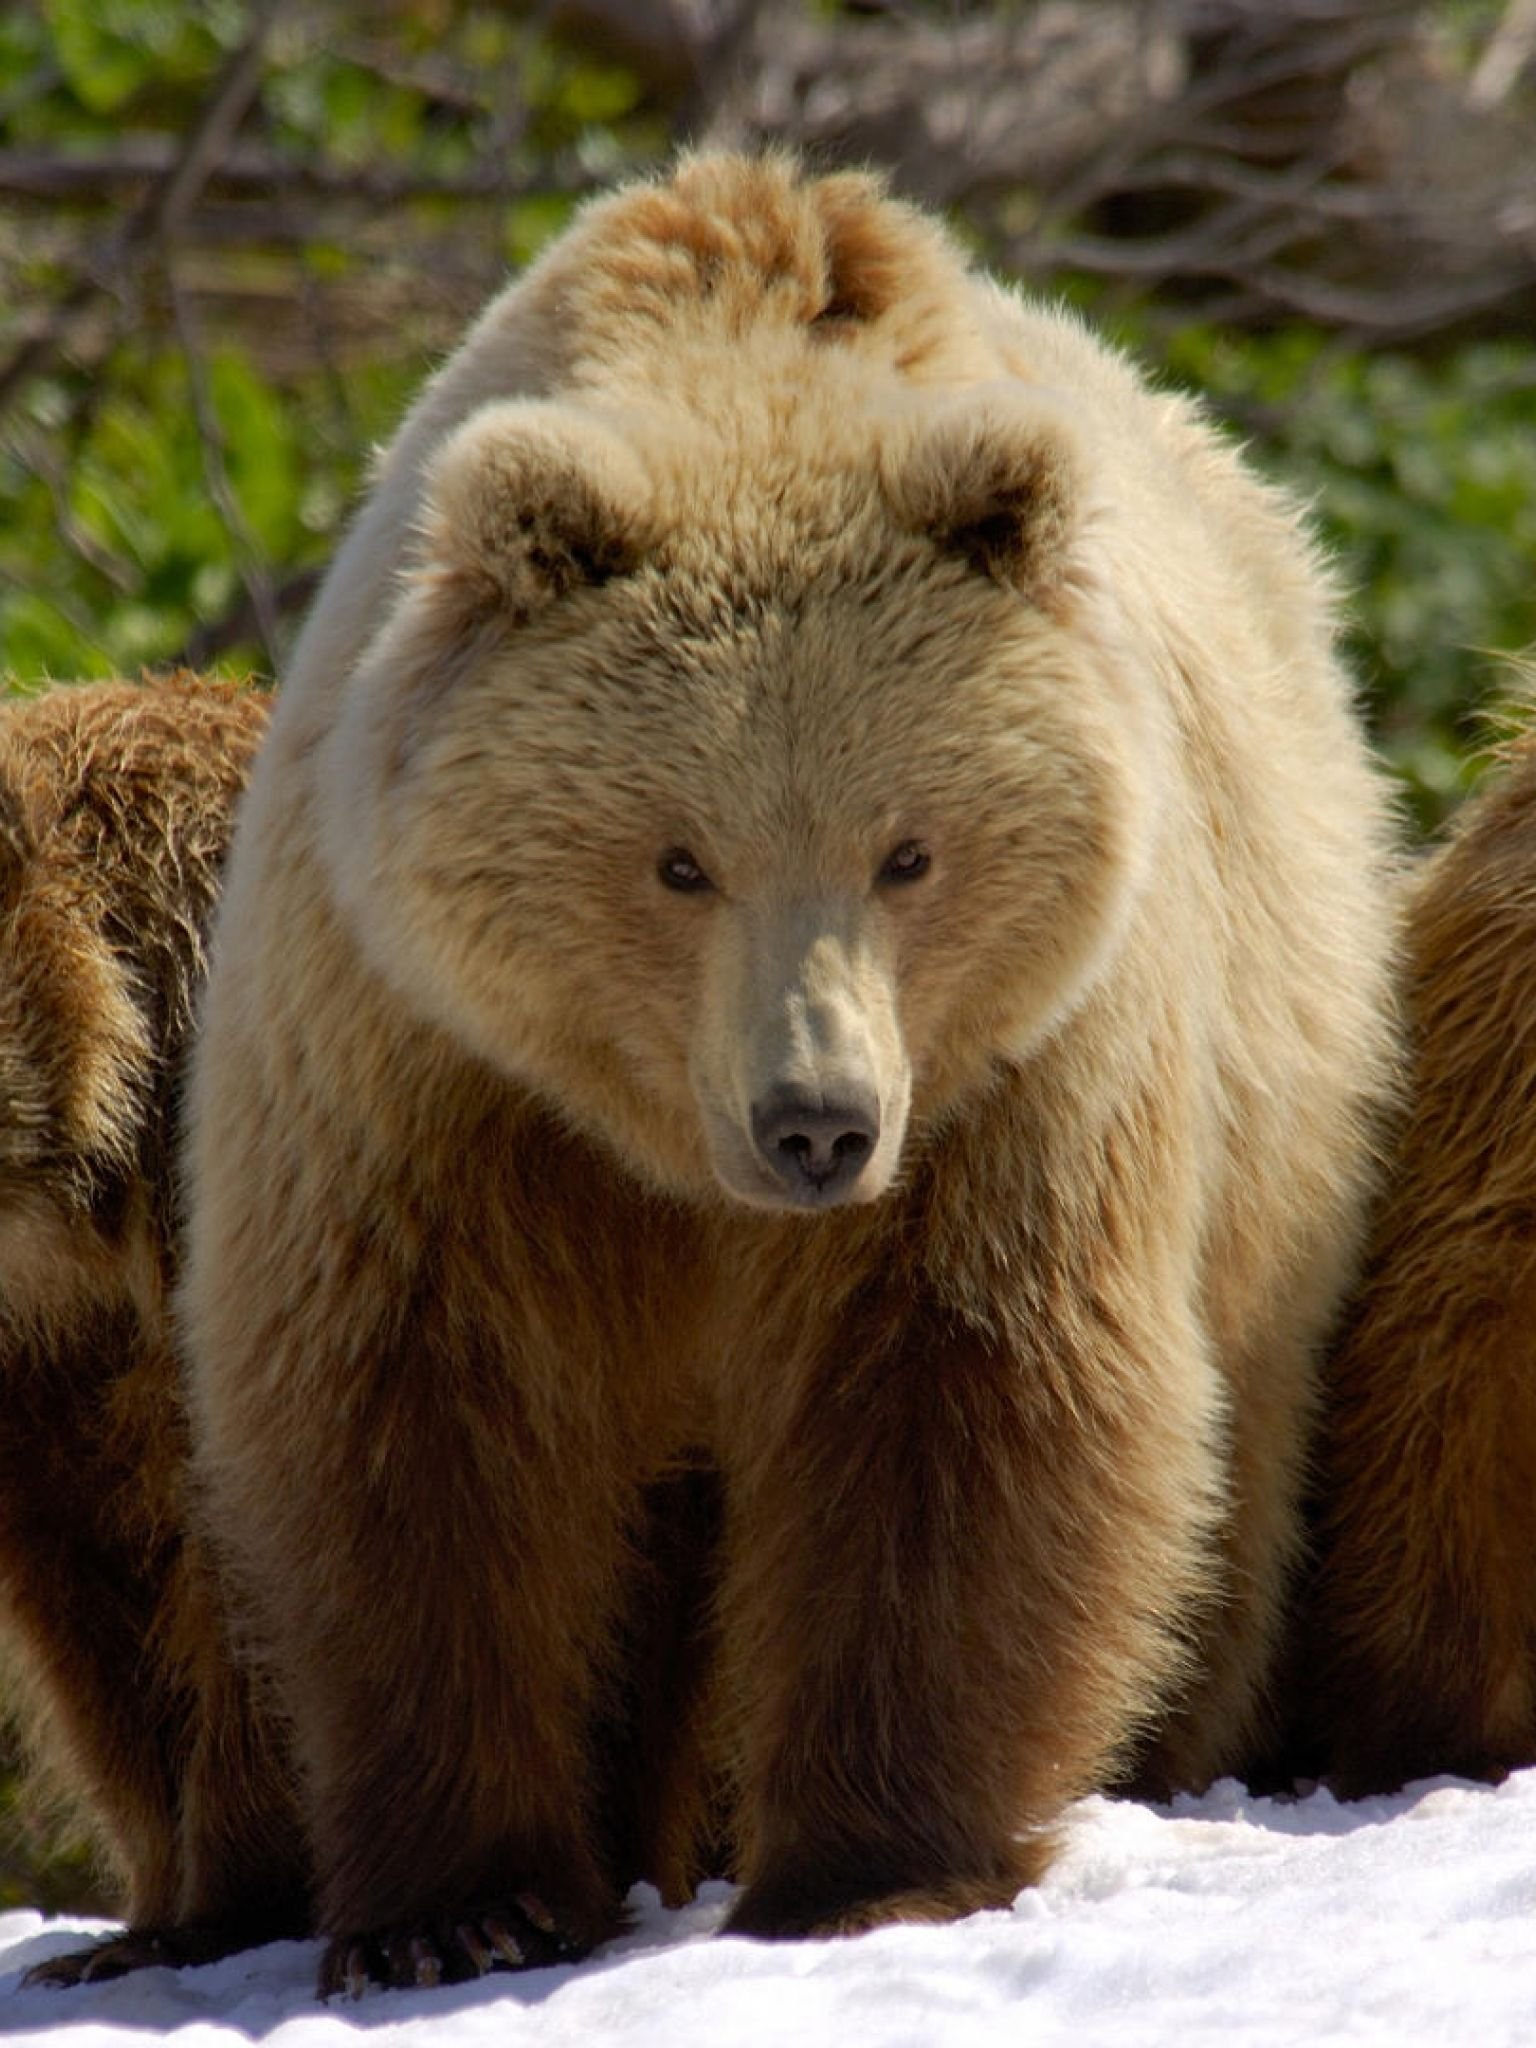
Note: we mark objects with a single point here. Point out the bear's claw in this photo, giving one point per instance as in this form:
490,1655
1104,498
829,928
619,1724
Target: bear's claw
136,1948
522,1936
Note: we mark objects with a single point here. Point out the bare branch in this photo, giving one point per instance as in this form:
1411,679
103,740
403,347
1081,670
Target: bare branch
240,624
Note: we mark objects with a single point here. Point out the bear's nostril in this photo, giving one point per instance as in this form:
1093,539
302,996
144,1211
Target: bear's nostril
819,1161
813,1145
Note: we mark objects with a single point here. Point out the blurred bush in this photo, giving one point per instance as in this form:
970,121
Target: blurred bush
1421,475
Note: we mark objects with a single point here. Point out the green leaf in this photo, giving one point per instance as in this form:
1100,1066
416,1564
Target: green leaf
109,50
533,221
260,456
38,640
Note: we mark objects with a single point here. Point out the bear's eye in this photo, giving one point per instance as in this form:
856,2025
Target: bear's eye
679,870
908,863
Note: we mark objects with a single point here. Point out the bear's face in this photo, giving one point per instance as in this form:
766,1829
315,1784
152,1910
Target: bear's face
745,822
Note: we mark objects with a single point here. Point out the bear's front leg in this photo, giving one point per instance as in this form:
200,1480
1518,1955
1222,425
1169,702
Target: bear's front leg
959,1565
458,1838
417,1457
438,1628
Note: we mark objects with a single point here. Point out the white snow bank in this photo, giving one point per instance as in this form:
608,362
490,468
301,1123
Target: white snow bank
1229,1920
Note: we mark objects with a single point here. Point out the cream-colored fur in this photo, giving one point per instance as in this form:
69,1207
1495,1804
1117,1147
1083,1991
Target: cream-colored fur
752,539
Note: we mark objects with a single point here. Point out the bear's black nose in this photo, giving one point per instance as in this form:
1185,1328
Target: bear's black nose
817,1147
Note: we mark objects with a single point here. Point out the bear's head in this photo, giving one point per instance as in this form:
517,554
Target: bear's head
749,796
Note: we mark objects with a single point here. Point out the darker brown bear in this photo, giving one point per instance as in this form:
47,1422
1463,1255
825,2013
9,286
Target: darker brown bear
115,810
1420,1647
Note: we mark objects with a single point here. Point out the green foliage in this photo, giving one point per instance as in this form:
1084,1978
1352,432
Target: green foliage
532,222
1422,478
150,491
113,551
114,51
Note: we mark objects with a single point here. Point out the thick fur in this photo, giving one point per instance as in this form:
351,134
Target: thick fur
115,807
1421,1634
981,710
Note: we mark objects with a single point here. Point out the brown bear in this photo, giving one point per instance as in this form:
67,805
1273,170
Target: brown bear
115,806
1421,1637
815,904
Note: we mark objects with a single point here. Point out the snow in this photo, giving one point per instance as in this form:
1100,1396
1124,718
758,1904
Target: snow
1229,1919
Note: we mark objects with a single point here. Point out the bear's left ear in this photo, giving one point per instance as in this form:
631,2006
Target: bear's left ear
527,501
998,477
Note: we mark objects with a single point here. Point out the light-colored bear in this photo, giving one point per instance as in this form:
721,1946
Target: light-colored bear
815,907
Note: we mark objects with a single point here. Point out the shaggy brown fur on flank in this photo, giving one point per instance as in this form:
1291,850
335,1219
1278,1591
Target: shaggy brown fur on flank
115,810
815,896
1422,1636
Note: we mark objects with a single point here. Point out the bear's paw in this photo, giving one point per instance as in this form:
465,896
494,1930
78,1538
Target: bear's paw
449,1948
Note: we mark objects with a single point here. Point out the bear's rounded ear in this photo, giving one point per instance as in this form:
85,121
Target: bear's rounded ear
527,501
998,477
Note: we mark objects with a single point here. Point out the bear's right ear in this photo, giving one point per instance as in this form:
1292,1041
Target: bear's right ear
525,502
